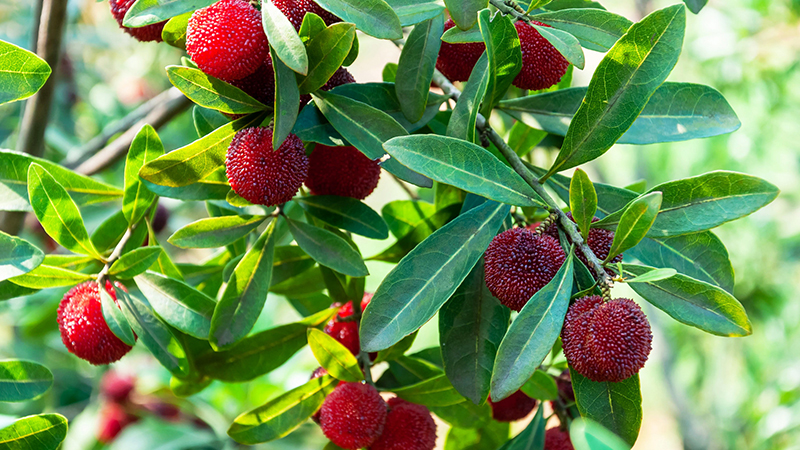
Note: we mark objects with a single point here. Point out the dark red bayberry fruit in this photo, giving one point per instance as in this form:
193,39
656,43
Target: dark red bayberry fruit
519,263
606,341
144,34
599,242
456,61
346,333
295,10
542,65
564,383
557,439
342,171
353,416
226,40
512,408
113,419
260,84
340,77
261,175
160,219
116,387
84,330
408,427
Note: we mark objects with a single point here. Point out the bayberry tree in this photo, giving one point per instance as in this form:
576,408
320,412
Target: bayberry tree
518,262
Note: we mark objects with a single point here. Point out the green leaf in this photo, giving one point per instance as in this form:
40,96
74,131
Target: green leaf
397,350
281,415
505,56
589,435
465,114
541,386
326,53
115,319
44,276
693,302
456,35
23,380
403,215
471,325
179,304
207,120
22,73
212,93
532,437
287,100
532,334
465,12
596,29
422,282
346,213
695,6
416,65
622,85
419,233
616,406
245,294
148,12
464,165
374,17
583,201
215,231
18,257
653,275
412,12
489,437
174,32
283,38
136,201
328,249
41,432
334,357
436,391
565,43
634,223
289,260
134,262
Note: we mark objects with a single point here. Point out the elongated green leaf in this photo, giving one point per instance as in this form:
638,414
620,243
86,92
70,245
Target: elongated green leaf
212,93
589,435
583,201
403,215
245,294
541,386
281,415
616,406
328,249
465,12
215,231
346,213
532,437
289,260
565,43
148,12
422,282
532,334
464,165
174,32
436,391
456,35
634,223
695,6
45,276
287,99
374,17
424,228
693,302
135,262
23,380
115,319
505,56
333,356
653,275
488,437
326,53
596,29
622,85
416,65
42,432
412,12
207,120
18,256
283,38
179,304
22,73
136,201
465,114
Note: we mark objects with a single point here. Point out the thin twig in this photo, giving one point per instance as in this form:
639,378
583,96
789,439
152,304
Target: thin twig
413,195
363,356
115,254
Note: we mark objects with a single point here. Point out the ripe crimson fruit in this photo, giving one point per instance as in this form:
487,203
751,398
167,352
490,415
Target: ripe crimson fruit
606,341
144,34
456,61
342,171
557,439
353,416
113,419
260,84
295,10
408,427
599,242
116,387
84,330
346,333
340,77
542,65
512,408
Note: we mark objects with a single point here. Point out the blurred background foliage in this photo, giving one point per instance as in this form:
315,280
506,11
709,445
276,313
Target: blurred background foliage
700,391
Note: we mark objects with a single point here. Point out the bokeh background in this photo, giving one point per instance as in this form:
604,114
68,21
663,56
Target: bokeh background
700,391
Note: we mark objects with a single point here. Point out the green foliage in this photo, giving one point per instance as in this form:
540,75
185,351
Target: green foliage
18,256
616,406
22,73
416,65
44,431
23,380
334,357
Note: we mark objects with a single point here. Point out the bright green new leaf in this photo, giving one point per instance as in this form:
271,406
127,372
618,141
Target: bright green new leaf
41,432
541,386
589,435
134,262
436,391
174,32
22,73
23,380
212,93
179,304
565,43
634,223
145,147
505,56
215,231
326,53
44,276
582,201
283,38
653,275
334,357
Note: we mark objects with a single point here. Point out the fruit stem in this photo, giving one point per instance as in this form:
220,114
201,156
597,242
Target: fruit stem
364,356
115,254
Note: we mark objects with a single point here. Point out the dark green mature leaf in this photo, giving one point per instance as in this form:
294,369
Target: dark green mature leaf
287,99
541,386
22,73
596,29
215,231
422,282
695,6
134,262
436,391
334,357
532,437
145,147
326,53
634,223
174,32
23,380
245,294
283,39
9,290
115,319
328,249
589,435
41,432
289,261
412,12
505,56
465,12
532,334
382,96
44,276
207,120
565,43
148,12
456,35
212,93
374,17
416,65
179,304
346,213
583,201
419,233
693,302
616,406
17,256
163,264
403,215
471,325
622,85
281,415
465,114
488,437
464,165
675,112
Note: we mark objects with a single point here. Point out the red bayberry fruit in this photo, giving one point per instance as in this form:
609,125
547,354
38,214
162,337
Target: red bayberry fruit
116,387
260,84
353,416
599,242
144,34
564,383
340,77
408,427
456,61
160,219
346,333
84,330
113,419
542,65
512,408
606,341
342,171
295,10
226,40
262,175
519,263
557,439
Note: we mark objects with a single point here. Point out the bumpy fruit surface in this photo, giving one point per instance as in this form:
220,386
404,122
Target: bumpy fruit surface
342,171
260,84
116,387
519,263
599,241
340,77
456,61
353,416
606,341
261,175
113,419
557,439
408,427
84,330
512,408
295,10
226,40
346,333
144,34
542,65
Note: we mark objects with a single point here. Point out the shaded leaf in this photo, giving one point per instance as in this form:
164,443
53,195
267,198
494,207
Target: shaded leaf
583,201
416,65
287,100
616,406
541,386
17,256
115,319
346,213
328,249
505,56
465,114
23,380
